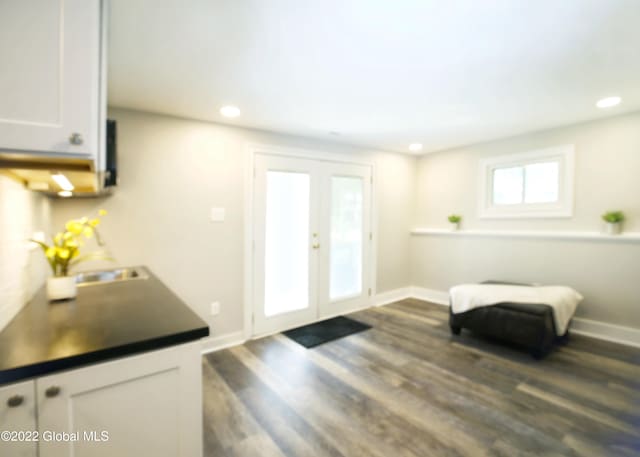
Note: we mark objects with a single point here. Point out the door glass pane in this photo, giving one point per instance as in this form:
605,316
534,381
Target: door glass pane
346,237
507,186
286,242
541,182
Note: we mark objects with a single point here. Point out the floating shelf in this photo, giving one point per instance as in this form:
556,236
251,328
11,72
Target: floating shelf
629,237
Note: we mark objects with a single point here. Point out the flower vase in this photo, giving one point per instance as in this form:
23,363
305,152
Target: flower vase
613,228
61,288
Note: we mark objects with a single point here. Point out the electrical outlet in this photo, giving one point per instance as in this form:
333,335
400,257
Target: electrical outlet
215,308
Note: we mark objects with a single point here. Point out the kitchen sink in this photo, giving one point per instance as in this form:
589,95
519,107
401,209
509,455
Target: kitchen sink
90,278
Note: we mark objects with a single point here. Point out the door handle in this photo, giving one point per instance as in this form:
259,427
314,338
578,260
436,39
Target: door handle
52,391
15,401
75,139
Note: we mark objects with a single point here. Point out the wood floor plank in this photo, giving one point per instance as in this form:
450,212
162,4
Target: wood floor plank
481,408
345,434
229,428
407,315
400,402
579,409
407,387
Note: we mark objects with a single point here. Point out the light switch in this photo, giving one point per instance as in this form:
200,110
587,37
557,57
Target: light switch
217,214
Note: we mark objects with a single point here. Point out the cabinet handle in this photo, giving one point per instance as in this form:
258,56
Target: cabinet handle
75,138
316,246
52,391
15,401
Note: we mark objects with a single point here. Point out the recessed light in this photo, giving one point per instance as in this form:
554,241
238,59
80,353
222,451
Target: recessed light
415,147
230,111
65,193
608,102
62,181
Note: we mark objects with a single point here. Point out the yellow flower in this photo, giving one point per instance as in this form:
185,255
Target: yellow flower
88,232
58,238
71,244
74,227
68,235
63,253
102,212
94,222
50,252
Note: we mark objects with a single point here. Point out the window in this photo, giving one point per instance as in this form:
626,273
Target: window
532,184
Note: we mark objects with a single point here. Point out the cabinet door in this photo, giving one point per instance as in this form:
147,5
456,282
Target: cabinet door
18,414
149,404
49,83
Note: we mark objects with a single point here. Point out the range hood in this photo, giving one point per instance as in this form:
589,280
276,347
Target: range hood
38,171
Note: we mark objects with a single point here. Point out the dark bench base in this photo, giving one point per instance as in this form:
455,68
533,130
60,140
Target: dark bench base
527,325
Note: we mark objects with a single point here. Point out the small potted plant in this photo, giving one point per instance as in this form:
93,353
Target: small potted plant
613,222
455,219
64,253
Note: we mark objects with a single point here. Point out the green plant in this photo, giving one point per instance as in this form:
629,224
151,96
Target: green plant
454,218
613,217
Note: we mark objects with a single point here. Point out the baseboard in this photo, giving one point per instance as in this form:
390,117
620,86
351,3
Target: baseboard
600,330
438,297
222,342
390,296
609,332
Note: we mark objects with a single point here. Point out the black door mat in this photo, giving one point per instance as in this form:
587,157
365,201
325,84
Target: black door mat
322,332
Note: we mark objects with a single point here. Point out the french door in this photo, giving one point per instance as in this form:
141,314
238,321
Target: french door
312,240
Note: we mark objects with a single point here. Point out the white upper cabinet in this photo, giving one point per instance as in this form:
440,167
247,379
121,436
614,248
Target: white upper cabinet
51,97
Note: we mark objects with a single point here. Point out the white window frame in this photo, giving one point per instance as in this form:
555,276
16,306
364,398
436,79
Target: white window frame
564,155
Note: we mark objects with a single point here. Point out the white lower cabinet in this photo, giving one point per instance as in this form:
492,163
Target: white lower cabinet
147,404
18,419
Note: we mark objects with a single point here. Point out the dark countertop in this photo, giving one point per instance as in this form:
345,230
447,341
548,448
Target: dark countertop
105,321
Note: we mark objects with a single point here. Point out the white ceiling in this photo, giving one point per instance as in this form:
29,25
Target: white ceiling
381,73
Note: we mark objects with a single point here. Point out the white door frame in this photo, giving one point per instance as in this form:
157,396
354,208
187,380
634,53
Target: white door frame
251,150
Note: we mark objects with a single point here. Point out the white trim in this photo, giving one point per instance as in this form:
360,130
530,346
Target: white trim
248,242
564,155
600,330
628,237
627,336
284,151
367,305
610,332
373,259
222,342
251,150
431,295
391,296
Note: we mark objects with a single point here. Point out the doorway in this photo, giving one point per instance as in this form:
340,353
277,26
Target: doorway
312,240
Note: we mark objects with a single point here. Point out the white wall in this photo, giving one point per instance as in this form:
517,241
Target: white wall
607,177
22,270
172,171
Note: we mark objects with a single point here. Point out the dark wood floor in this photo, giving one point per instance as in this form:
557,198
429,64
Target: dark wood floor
408,388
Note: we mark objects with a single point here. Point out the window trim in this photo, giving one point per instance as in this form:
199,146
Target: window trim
562,208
